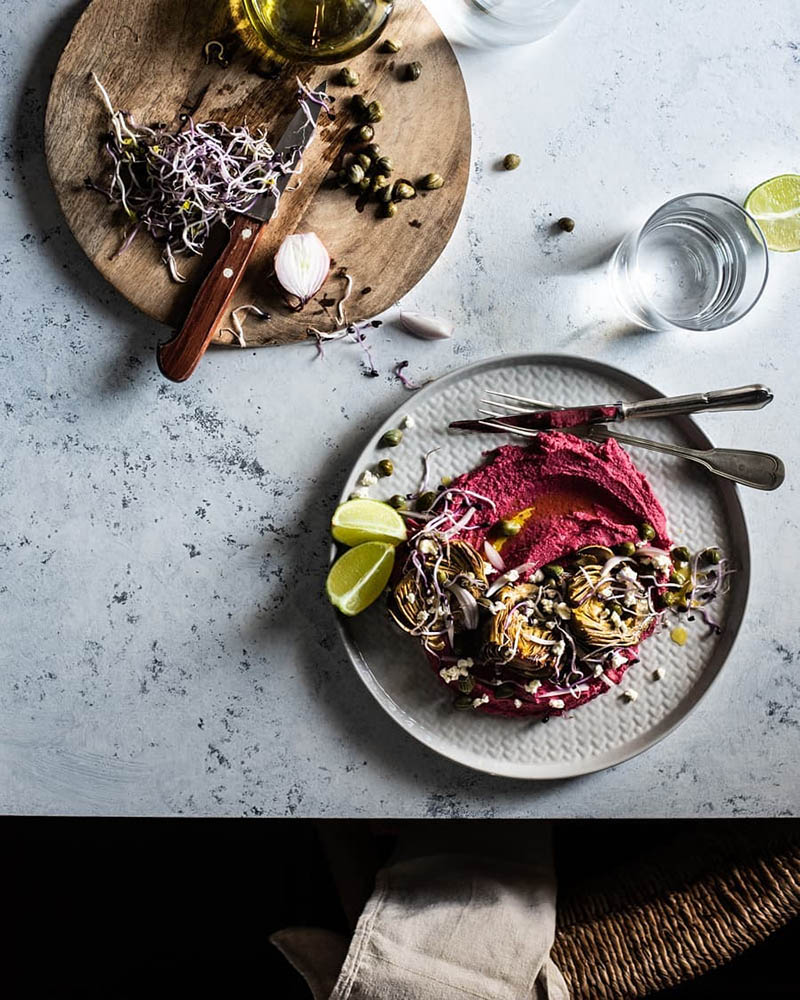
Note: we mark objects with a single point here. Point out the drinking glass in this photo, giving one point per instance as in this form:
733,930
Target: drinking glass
499,22
698,263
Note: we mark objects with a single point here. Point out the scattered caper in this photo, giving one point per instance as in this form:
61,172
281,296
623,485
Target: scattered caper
431,182
446,480
511,161
373,150
364,161
504,691
379,181
425,502
566,224
391,45
388,210
385,194
679,575
391,438
384,165
403,190
364,133
348,77
355,173
398,501
374,111
463,703
359,106
681,554
712,555
466,684
385,467
553,570
626,548
508,527
364,185
413,71
646,531
342,179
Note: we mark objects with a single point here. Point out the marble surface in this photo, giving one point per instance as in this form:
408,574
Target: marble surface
163,645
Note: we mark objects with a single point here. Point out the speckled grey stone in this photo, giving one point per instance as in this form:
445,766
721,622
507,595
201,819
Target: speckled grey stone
164,647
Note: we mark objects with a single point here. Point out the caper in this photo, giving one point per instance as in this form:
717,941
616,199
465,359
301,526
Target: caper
466,684
342,179
413,70
426,501
398,501
385,467
511,161
385,194
373,150
504,691
364,161
379,181
615,609
384,165
508,527
359,106
712,555
388,210
364,185
566,224
431,182
374,111
553,570
679,575
446,480
463,703
680,554
403,190
391,45
391,438
348,77
364,133
355,173
626,548
646,531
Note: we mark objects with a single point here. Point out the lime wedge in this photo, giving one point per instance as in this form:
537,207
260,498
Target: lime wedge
358,577
775,205
357,521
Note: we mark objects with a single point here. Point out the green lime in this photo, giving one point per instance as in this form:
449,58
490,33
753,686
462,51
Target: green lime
358,521
775,205
358,577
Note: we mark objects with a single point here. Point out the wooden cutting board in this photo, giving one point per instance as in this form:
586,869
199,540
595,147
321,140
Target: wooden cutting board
149,54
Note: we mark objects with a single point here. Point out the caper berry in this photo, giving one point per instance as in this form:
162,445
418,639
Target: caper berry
384,165
403,190
391,438
626,548
566,224
374,111
712,555
398,501
466,684
508,527
463,703
359,106
426,501
553,570
364,161
413,71
355,173
391,45
680,554
342,179
511,161
364,133
388,210
646,531
385,467
504,691
348,77
431,182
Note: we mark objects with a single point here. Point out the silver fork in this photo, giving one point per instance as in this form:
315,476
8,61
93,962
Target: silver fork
757,469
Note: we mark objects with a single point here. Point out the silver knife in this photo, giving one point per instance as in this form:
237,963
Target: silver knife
178,358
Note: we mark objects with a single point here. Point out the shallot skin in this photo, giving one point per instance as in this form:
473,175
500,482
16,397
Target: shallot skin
426,327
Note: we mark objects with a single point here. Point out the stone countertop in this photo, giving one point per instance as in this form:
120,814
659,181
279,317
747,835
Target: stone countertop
164,647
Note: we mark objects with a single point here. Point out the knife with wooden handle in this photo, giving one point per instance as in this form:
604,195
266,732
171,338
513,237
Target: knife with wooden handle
178,358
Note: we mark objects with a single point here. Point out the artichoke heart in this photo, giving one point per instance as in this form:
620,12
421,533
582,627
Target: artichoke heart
518,637
597,618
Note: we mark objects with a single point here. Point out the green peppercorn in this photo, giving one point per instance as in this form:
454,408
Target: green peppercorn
385,467
553,570
646,531
364,133
342,179
426,501
403,190
463,703
511,161
626,549
388,210
566,224
712,555
373,150
348,77
384,165
680,554
509,527
364,161
374,111
391,438
398,501
413,71
355,173
431,182
358,106
391,45
504,691
466,684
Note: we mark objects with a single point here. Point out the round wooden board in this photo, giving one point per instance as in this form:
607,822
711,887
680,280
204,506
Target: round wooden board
149,56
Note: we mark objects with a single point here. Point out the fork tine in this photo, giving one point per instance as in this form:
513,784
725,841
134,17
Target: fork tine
507,406
524,399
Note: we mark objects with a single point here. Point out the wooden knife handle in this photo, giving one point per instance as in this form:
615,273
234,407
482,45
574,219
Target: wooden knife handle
178,358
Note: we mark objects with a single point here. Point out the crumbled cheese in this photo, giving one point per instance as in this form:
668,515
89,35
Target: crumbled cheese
617,659
456,672
605,590
466,662
533,686
629,599
512,575
627,573
477,702
488,569
658,673
367,478
559,647
630,695
546,605
359,493
563,611
615,618
496,607
407,422
428,547
411,597
556,703
517,703
598,670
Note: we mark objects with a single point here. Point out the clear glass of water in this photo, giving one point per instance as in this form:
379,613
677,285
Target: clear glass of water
499,22
698,263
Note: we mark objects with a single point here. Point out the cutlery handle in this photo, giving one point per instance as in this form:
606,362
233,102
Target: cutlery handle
178,358
745,397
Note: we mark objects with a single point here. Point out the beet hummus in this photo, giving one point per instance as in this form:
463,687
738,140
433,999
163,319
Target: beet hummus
531,580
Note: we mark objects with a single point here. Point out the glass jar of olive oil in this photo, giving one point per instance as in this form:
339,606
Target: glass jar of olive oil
321,31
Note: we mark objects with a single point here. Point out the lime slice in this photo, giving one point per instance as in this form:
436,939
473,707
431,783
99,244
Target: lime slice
775,205
358,577
358,521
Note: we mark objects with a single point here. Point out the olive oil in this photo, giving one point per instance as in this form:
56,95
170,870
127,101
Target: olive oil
322,31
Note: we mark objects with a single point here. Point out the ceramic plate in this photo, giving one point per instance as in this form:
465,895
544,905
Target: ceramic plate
701,510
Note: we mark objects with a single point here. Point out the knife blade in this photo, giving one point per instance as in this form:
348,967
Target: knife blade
177,358
548,420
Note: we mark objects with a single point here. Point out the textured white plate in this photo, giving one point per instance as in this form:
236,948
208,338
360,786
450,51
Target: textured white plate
701,510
